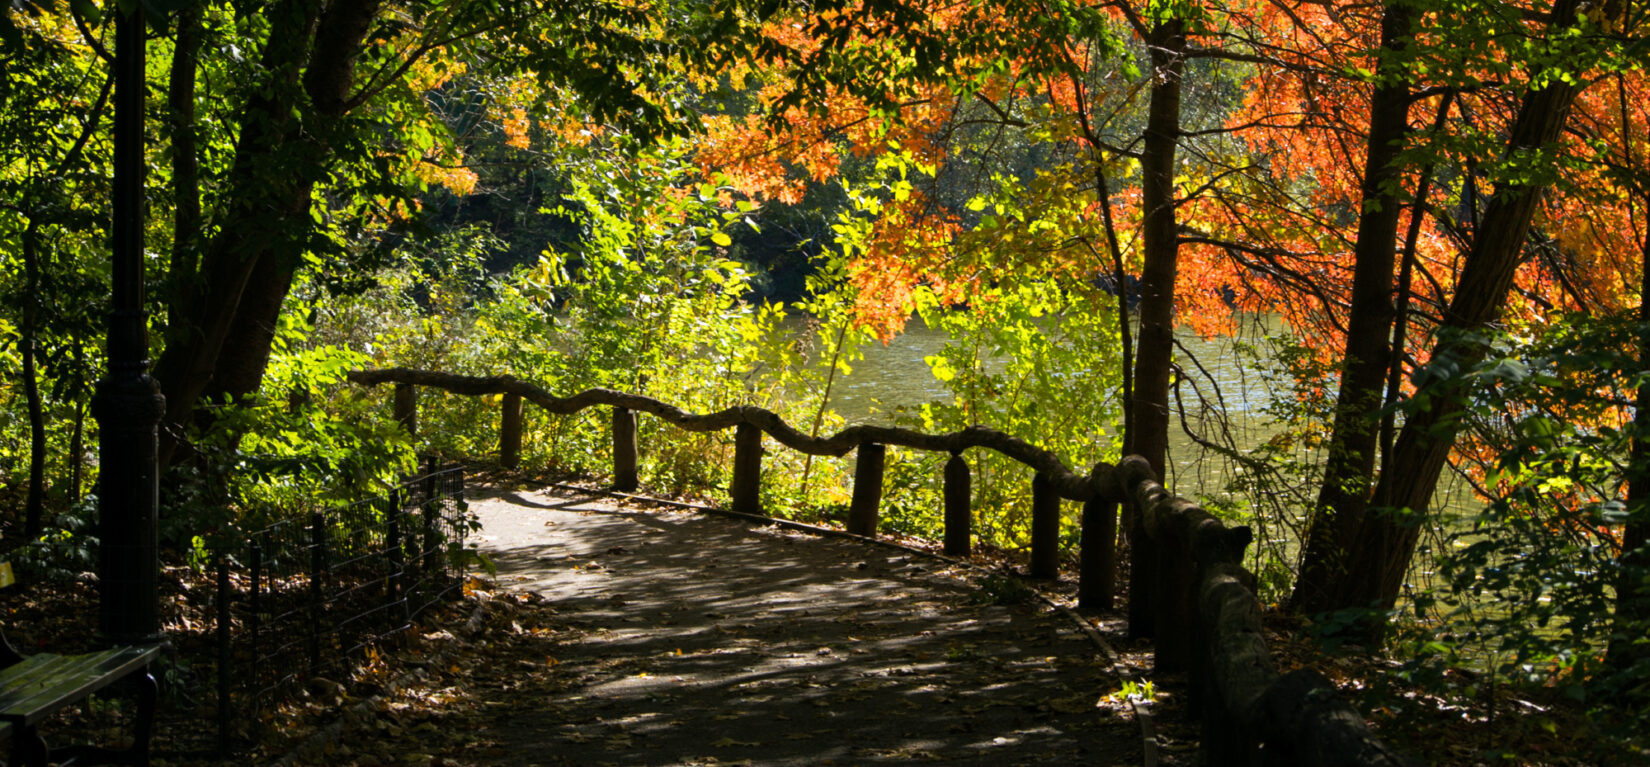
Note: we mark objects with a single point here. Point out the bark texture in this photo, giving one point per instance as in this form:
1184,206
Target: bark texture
1627,645
246,270
1148,435
1349,472
1387,536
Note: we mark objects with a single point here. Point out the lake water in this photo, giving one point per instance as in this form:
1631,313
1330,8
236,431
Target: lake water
1224,397
1220,382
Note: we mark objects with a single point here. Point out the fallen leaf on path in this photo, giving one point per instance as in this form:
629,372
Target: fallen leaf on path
1073,705
730,743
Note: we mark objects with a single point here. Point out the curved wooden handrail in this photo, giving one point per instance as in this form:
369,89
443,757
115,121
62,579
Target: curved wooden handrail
1188,588
1103,482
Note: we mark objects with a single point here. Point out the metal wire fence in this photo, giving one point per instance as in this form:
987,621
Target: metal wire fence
307,596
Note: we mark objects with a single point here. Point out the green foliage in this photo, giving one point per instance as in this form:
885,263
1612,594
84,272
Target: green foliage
645,300
1143,691
309,440
67,549
53,262
1037,360
911,500
1527,583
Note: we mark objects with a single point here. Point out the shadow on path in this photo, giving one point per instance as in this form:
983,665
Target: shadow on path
690,639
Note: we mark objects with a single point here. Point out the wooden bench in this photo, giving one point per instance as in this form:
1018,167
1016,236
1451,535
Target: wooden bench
33,687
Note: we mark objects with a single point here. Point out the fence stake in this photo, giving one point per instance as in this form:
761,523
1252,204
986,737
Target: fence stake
427,482
509,431
624,449
394,548
747,469
317,573
256,609
864,507
1045,528
456,527
223,656
959,515
1096,585
432,515
406,407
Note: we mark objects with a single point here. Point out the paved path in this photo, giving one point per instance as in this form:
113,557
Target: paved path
697,640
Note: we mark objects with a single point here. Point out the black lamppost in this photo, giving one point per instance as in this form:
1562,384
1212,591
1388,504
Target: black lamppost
128,405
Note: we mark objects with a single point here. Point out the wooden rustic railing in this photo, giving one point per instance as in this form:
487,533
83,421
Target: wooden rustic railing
1188,589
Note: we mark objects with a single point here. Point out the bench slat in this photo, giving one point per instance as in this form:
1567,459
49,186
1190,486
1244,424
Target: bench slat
42,684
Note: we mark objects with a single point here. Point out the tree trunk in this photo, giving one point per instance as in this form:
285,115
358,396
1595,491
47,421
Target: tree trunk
1627,646
1386,539
264,223
1350,468
35,502
241,365
77,454
1149,434
180,101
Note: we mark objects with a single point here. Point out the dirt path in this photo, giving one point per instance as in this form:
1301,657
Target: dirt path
691,639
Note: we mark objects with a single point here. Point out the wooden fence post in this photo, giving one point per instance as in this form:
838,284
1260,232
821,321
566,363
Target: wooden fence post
1142,569
624,449
509,431
747,469
1096,574
863,509
1172,593
959,514
406,407
1045,528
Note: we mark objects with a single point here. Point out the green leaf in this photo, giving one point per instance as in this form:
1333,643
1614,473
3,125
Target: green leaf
721,238
88,10
163,7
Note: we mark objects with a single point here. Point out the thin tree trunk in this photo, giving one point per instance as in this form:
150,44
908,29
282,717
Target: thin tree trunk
77,454
1406,275
1387,538
824,402
180,100
1627,645
266,213
35,503
1119,276
1120,283
1160,242
1350,468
